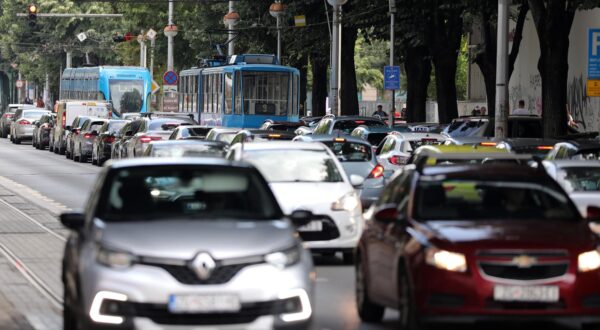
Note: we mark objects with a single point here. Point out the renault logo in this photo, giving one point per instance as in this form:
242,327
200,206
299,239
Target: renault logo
524,261
203,265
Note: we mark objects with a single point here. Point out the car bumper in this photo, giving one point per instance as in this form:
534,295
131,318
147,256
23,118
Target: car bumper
151,288
24,131
349,225
86,148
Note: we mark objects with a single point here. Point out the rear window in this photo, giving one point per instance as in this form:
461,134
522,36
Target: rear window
376,138
467,128
116,126
350,151
347,126
191,192
168,124
199,131
442,199
525,128
580,178
226,137
34,114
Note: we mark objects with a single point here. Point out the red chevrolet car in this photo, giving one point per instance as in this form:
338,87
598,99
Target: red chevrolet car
471,243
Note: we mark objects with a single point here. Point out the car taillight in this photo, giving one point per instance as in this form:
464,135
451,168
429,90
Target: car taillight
397,160
377,172
148,139
24,122
109,139
7,115
88,135
64,119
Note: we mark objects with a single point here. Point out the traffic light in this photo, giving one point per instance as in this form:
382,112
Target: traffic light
122,38
32,11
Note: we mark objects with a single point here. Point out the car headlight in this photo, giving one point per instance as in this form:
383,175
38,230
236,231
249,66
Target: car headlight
116,259
446,260
285,258
588,261
348,202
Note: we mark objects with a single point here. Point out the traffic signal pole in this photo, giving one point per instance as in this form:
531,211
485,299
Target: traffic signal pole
502,72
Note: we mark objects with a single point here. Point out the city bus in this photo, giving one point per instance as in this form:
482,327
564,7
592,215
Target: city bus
243,92
128,89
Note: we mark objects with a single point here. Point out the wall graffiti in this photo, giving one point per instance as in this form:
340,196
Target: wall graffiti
583,108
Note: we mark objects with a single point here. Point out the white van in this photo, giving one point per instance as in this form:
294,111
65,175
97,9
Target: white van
67,112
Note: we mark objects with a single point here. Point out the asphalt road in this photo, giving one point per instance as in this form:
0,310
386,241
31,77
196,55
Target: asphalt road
68,183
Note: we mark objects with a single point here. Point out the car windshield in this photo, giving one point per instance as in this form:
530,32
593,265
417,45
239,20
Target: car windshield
580,178
462,128
199,193
295,165
424,142
226,137
347,126
199,150
127,95
441,199
116,126
33,114
350,151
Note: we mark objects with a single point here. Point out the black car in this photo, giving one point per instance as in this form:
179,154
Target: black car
533,146
255,135
107,134
72,131
482,126
281,126
331,124
41,131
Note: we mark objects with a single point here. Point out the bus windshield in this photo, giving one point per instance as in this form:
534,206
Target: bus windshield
127,95
266,93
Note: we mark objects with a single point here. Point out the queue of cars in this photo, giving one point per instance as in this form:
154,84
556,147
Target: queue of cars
214,227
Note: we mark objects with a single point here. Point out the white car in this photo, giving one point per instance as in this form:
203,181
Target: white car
580,179
394,151
308,176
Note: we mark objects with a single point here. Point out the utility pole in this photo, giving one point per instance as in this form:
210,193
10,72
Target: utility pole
20,89
46,96
69,58
152,44
502,71
230,20
277,10
392,41
142,41
335,56
170,33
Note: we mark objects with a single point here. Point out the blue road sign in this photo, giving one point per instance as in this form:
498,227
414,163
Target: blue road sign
170,78
391,77
594,54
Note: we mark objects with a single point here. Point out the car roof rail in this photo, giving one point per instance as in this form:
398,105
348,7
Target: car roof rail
425,155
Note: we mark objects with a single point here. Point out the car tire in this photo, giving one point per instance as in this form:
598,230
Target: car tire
408,316
367,310
348,258
17,140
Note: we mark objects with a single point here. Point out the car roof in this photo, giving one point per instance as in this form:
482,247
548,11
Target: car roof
226,129
350,118
419,136
277,145
191,161
460,148
187,142
266,132
329,138
376,129
493,171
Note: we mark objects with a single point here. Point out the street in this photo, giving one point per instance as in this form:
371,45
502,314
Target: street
34,183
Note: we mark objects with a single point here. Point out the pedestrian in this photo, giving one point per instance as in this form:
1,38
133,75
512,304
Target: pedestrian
27,100
483,111
520,111
379,113
476,111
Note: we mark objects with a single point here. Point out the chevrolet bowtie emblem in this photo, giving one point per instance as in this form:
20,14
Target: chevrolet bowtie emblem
524,261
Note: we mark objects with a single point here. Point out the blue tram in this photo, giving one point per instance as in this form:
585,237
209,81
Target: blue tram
241,93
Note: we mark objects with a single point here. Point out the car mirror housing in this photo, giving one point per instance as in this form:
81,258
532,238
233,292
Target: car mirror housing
356,180
301,217
73,220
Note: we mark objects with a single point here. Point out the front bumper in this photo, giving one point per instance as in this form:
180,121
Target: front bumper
348,228
148,290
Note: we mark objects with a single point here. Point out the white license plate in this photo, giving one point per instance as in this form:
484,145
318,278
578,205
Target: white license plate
204,303
312,226
545,294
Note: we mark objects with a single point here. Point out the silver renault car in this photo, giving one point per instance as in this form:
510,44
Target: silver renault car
185,244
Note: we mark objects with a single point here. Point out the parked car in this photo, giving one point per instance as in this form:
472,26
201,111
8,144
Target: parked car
71,131
581,180
187,244
186,148
394,151
121,138
67,112
357,158
41,131
152,129
83,143
338,125
280,126
190,132
222,134
22,126
255,135
8,116
469,243
584,149
309,176
107,134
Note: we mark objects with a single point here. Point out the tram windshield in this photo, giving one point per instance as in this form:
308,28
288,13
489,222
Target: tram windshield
267,93
127,95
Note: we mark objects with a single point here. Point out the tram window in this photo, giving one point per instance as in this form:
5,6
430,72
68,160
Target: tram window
238,93
204,94
219,93
228,93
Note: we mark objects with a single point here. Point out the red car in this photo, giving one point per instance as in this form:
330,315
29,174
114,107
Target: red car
471,243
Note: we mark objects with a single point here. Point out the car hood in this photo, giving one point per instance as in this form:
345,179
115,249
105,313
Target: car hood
512,234
584,199
314,197
183,239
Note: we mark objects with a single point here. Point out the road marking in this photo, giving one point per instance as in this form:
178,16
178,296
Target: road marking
36,282
27,193
50,231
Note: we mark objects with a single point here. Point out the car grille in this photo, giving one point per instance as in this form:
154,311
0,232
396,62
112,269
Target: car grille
330,230
523,265
220,275
513,272
160,314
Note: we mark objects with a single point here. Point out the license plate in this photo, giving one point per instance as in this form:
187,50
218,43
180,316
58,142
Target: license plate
526,293
312,226
204,303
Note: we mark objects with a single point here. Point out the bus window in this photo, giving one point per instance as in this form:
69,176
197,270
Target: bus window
295,95
238,93
228,93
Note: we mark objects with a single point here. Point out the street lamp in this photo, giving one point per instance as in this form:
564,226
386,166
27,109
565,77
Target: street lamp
230,20
277,10
335,55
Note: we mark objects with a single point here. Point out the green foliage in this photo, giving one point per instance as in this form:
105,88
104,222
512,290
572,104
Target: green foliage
370,59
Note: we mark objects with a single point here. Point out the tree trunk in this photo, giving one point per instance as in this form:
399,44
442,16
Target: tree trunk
303,83
418,74
348,89
319,86
445,86
486,61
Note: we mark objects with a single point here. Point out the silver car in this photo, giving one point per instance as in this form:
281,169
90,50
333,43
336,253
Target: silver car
22,126
185,244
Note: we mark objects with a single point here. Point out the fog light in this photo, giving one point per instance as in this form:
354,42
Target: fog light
95,312
305,310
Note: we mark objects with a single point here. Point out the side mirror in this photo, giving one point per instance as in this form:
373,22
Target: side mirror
356,180
301,217
73,220
593,214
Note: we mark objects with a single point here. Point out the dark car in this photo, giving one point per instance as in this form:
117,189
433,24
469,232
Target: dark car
538,147
107,134
584,149
190,132
281,126
469,243
151,129
41,131
255,135
478,126
331,124
72,131
84,141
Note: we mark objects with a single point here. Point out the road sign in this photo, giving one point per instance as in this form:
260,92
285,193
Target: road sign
19,83
170,102
300,21
170,78
151,34
82,36
593,88
155,87
170,88
391,77
594,54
